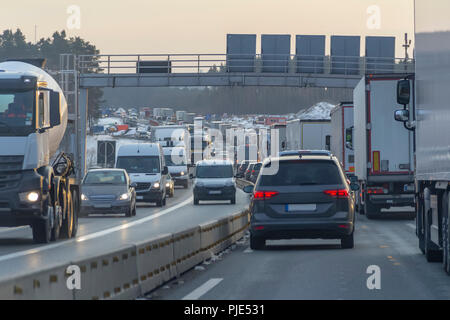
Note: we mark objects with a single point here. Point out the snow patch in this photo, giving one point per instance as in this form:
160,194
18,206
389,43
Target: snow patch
319,111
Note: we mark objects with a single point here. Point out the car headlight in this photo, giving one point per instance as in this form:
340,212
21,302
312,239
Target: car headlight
124,197
84,197
167,184
182,173
156,185
31,196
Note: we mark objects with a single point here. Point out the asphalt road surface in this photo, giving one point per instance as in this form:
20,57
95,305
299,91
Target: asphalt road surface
319,269
98,234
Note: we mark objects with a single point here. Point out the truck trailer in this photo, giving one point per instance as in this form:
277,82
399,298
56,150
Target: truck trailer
308,134
429,120
384,162
341,134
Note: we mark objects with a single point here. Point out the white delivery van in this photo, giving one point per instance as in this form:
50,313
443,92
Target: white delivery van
176,161
146,166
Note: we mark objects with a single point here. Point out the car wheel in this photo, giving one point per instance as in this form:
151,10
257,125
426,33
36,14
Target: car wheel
164,201
257,243
129,212
348,242
233,200
134,210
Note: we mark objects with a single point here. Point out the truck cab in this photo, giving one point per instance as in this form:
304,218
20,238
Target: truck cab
33,121
176,161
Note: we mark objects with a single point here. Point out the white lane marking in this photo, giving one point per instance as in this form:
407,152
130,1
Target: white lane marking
200,291
412,226
248,250
95,234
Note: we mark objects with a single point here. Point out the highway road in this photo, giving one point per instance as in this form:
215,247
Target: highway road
319,269
98,234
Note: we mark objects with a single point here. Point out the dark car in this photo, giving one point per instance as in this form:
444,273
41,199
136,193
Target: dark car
214,180
242,168
255,172
108,191
302,197
248,172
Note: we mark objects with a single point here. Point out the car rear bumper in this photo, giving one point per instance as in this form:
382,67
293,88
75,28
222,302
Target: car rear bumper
393,200
302,230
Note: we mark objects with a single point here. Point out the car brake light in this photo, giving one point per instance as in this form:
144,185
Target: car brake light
262,195
341,193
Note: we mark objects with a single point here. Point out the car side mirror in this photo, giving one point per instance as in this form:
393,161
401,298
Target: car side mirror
403,92
401,115
354,186
133,185
165,171
191,176
248,189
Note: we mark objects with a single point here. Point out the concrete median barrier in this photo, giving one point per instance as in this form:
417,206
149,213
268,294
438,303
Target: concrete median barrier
155,263
187,245
48,284
112,275
240,225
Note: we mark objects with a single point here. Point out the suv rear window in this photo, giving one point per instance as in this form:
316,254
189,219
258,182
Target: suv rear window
210,172
303,172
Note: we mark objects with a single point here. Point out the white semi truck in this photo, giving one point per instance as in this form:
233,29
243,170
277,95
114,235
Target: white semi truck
430,119
34,190
341,134
384,162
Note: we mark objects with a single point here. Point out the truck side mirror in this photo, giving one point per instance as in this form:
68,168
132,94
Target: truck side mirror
401,115
55,113
403,92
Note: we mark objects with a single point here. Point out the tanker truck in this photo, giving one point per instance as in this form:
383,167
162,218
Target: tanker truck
38,187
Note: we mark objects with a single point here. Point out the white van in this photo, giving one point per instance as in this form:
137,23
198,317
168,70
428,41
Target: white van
146,167
176,161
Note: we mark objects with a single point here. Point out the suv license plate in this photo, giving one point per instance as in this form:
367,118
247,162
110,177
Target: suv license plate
215,192
301,207
139,197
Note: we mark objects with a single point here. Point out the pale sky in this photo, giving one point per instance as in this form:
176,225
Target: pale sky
200,26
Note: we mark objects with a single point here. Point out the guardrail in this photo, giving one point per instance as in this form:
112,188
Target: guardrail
223,63
133,270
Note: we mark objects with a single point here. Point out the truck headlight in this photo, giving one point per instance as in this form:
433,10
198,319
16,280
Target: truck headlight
124,196
182,173
83,197
32,196
156,185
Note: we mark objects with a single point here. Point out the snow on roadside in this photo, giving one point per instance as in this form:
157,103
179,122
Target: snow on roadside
319,111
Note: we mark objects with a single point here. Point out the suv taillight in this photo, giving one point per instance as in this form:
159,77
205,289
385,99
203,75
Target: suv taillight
263,195
338,193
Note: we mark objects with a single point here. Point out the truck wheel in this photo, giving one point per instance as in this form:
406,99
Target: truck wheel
233,200
445,234
372,212
186,184
56,230
257,243
76,212
68,222
196,201
419,223
348,242
42,232
431,252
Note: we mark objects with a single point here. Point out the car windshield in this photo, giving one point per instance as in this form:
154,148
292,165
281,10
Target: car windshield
16,113
221,171
302,172
175,160
139,164
105,177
